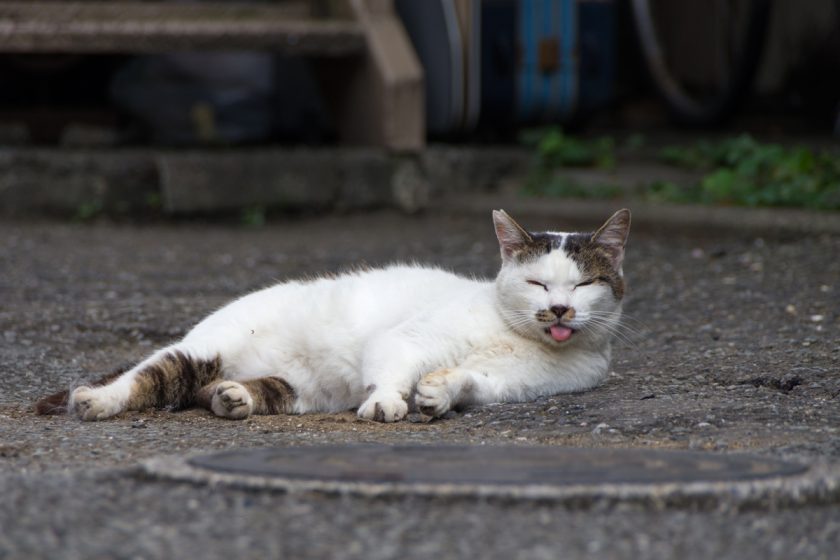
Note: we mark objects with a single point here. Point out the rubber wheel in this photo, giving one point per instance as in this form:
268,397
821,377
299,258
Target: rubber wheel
692,110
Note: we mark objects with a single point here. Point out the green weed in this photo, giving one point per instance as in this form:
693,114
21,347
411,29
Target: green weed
253,216
737,171
556,149
743,171
88,210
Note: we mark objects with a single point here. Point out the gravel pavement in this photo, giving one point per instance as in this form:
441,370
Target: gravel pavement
734,346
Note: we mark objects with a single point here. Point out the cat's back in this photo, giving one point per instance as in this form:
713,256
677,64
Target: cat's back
358,301
396,290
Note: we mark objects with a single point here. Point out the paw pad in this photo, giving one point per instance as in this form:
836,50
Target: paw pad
384,407
232,400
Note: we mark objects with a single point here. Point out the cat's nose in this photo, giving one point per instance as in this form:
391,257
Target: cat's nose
559,310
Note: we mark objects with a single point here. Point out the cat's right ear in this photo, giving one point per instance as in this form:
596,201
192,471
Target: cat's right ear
613,236
512,237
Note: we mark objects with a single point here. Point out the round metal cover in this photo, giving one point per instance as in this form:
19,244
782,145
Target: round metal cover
491,465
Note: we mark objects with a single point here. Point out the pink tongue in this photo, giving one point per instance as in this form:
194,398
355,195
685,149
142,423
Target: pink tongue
560,333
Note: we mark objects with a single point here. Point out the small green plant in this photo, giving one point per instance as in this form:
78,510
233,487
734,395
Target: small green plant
87,211
743,171
737,171
153,201
556,149
253,216
698,156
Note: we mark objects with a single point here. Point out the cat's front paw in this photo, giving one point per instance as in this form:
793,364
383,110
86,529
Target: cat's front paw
232,400
91,404
384,406
433,397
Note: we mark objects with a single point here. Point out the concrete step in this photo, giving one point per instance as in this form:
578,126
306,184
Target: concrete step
137,182
152,27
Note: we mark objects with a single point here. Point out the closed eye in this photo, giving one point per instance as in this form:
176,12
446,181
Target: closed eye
540,284
603,279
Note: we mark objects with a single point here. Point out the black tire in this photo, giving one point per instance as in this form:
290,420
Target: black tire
691,110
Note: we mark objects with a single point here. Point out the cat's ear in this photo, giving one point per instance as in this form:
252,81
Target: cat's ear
512,238
613,236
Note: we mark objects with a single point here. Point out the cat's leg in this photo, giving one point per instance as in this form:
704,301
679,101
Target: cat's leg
239,399
170,378
507,380
390,368
442,390
384,404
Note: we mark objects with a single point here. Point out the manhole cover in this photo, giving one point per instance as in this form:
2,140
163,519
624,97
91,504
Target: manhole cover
483,465
570,475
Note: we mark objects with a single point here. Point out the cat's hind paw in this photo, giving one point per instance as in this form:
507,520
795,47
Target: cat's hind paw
94,403
433,397
384,406
232,400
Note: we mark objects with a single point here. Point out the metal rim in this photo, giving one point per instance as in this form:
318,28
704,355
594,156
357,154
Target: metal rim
816,483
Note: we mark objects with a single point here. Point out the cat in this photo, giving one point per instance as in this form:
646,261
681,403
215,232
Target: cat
370,340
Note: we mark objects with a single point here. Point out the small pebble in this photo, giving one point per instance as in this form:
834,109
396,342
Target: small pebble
417,418
599,428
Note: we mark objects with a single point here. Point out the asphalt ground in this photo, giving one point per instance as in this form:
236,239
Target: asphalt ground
733,345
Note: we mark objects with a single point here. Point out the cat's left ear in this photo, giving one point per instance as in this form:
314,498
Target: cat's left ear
512,237
613,236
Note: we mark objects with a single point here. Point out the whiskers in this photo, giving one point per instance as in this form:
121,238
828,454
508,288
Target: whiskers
518,319
617,325
622,327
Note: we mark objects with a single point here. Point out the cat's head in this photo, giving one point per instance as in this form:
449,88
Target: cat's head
562,288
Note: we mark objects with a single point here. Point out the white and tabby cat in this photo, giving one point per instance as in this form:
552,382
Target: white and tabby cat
371,340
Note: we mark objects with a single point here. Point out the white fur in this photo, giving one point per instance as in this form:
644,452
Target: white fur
369,339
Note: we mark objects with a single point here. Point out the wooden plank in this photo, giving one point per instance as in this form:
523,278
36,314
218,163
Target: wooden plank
153,27
380,101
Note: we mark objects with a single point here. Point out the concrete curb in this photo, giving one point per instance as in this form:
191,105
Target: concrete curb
463,180
138,182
